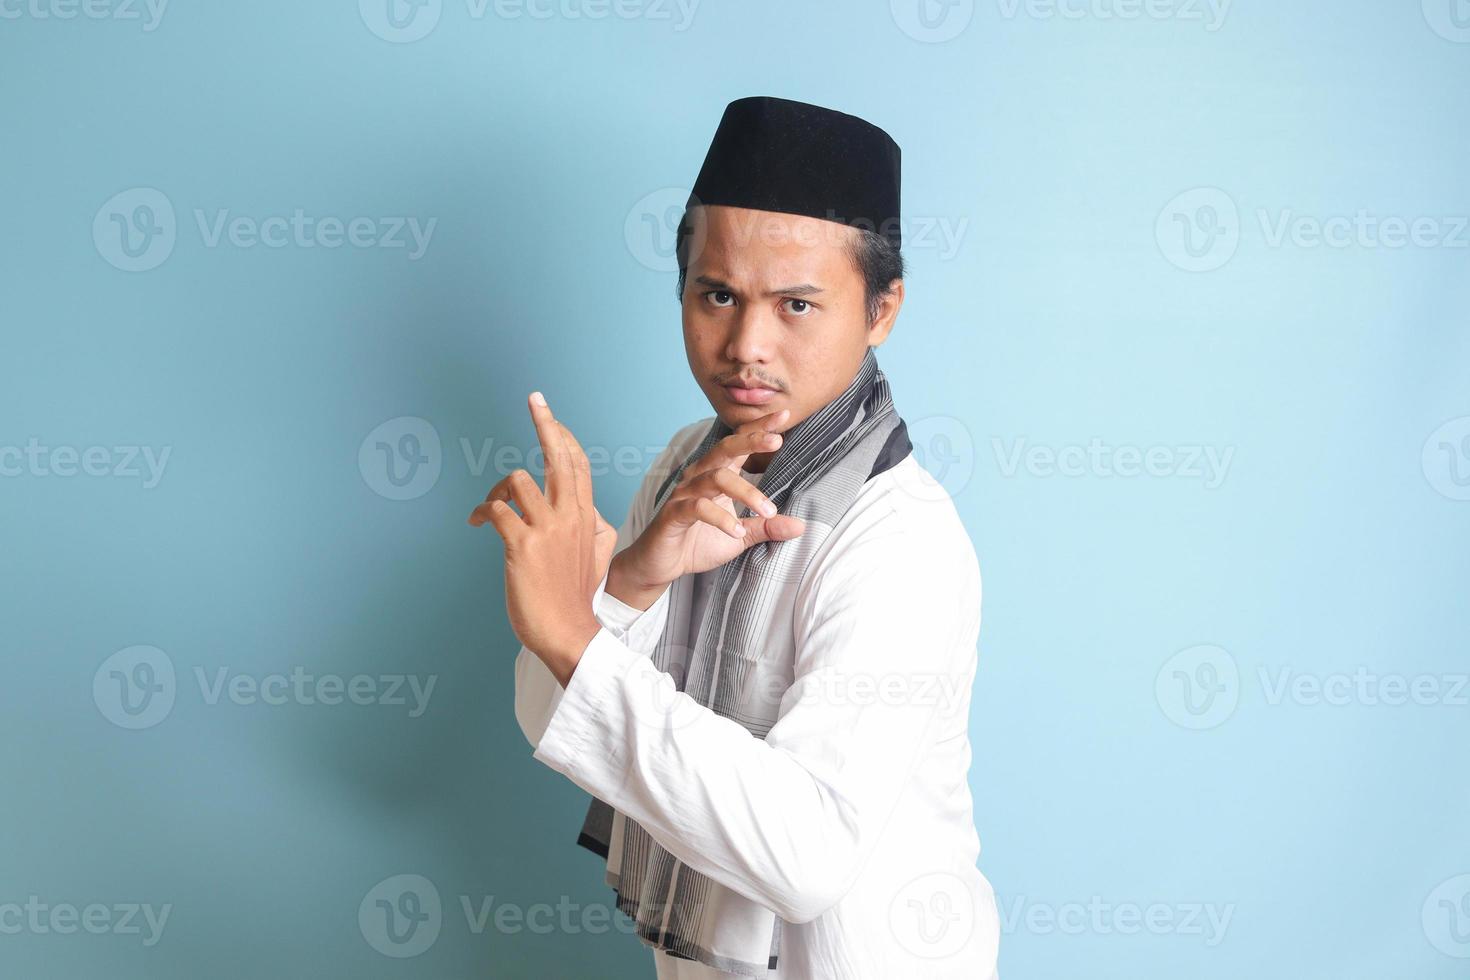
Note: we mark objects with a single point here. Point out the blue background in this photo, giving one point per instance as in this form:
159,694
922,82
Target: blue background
547,150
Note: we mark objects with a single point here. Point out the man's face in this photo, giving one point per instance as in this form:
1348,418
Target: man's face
776,301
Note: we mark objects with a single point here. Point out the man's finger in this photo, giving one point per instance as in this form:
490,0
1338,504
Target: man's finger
508,523
732,451
712,513
519,487
580,466
723,482
782,527
765,422
581,470
559,484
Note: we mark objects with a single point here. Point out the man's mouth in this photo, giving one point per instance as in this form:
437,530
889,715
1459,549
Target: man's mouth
748,392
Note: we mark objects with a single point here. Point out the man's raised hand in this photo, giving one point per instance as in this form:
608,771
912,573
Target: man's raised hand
556,549
696,529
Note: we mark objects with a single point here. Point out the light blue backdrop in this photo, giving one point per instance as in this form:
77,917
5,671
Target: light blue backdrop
1186,338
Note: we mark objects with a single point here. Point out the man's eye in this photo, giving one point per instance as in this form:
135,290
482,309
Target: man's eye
799,307
719,297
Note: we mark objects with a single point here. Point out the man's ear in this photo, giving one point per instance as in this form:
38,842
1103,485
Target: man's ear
888,307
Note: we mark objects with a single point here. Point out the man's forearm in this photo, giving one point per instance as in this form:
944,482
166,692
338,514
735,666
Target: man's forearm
624,584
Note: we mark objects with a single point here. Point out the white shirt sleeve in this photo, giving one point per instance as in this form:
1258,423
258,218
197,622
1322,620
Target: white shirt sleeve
887,622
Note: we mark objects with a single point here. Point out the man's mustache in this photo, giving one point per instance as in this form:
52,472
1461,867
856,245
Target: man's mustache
756,378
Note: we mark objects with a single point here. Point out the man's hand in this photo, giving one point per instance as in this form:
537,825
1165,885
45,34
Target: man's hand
556,549
696,529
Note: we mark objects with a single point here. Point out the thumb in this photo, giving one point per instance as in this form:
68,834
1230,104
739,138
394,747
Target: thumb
782,527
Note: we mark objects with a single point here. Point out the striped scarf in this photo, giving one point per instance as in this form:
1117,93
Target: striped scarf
723,662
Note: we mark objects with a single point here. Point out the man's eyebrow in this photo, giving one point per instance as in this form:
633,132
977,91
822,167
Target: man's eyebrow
802,289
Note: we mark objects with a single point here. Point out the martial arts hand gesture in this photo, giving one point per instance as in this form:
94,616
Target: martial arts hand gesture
556,549
696,529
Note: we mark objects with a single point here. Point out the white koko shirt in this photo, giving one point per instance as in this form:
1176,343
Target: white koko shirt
852,820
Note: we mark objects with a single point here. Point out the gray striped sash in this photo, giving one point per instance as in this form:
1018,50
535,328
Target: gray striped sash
720,662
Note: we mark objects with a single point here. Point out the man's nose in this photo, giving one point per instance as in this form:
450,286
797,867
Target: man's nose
753,336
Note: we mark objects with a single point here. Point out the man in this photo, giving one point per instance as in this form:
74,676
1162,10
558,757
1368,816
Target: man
762,677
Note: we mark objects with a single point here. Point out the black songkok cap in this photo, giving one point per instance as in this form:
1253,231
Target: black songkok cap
773,154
